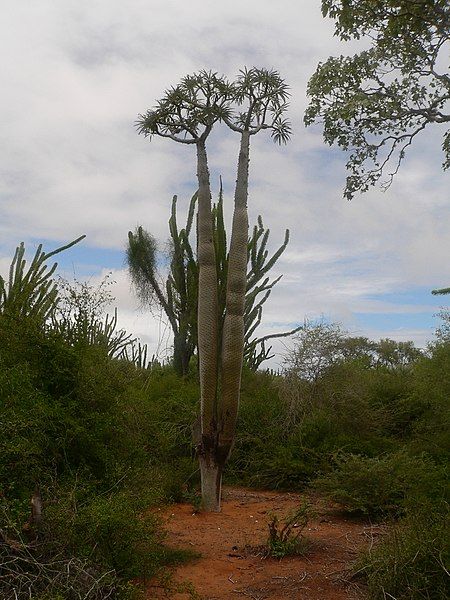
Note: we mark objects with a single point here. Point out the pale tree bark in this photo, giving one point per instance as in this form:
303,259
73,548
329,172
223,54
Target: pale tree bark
211,482
233,330
211,472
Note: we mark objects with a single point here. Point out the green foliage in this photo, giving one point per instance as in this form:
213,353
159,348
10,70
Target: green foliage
80,317
114,529
382,486
33,571
30,292
443,331
373,104
320,346
104,441
266,95
286,535
410,562
79,426
189,110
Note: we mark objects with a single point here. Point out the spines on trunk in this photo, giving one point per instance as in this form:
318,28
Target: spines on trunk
233,329
207,305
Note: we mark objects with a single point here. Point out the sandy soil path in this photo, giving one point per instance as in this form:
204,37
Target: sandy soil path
229,570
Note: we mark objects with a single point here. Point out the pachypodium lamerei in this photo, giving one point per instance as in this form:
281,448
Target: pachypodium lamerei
187,114
261,96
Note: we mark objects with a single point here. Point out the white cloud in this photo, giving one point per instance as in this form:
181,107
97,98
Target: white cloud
77,74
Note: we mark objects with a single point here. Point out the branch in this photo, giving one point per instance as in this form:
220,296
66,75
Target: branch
441,291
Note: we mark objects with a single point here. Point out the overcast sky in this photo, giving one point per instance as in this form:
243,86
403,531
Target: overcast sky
75,75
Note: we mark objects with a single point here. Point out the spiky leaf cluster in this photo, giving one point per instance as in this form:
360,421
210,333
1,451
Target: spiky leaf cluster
375,103
188,111
257,99
261,96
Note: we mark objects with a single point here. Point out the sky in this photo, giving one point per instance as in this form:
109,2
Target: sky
75,75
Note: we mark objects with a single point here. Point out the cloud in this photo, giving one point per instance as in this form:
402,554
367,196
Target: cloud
78,73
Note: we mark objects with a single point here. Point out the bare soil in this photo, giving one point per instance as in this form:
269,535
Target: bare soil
231,565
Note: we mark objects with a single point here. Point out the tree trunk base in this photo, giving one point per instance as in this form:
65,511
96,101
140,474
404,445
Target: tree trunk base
211,477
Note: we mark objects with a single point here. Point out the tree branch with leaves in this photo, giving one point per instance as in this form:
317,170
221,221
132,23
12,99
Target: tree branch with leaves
374,104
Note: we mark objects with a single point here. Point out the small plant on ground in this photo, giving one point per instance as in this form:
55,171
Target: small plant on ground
286,533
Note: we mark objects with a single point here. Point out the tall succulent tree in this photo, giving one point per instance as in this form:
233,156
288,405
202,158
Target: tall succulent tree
261,98
187,115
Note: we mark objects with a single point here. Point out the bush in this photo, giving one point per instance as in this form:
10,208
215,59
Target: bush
117,531
410,562
286,535
103,441
382,486
34,563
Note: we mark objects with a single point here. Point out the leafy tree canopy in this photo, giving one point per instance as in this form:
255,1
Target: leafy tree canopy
375,103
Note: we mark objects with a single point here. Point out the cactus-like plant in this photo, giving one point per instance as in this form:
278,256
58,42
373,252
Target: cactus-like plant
187,114
441,291
261,96
178,297
30,292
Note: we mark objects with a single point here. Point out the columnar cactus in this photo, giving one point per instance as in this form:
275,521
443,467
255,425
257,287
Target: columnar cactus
31,292
178,297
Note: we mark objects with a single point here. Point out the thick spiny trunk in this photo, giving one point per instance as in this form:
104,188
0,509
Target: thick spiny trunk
211,478
233,329
207,326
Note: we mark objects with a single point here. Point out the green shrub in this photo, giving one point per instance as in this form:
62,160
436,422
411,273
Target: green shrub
432,391
286,535
382,486
289,467
410,562
115,530
41,568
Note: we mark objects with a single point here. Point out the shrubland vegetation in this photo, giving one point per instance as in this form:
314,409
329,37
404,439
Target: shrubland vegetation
93,435
98,441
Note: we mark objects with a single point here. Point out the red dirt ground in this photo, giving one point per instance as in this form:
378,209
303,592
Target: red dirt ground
228,570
